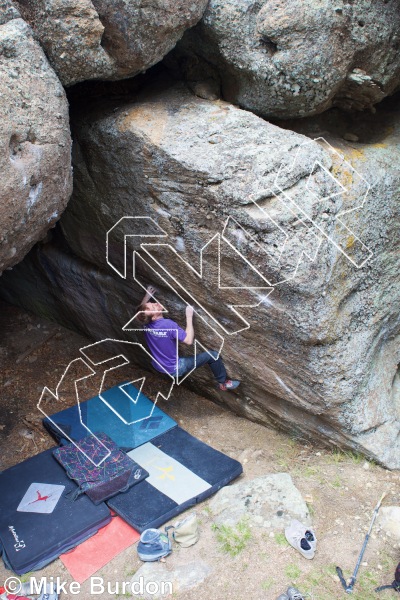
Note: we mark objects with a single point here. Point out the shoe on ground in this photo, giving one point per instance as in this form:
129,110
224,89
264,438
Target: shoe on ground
153,545
295,535
230,384
283,597
309,534
294,594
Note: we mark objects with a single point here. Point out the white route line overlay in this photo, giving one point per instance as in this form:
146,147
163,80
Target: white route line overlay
177,380
164,234
305,252
268,288
330,148
167,283
196,342
93,372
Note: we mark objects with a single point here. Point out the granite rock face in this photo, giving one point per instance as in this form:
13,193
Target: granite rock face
104,39
35,160
289,58
304,232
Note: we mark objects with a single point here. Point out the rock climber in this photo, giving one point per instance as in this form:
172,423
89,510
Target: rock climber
162,337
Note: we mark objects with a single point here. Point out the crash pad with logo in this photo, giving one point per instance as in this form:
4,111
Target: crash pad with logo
38,519
183,471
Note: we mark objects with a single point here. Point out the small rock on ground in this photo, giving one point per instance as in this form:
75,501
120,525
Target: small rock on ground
153,578
389,520
270,501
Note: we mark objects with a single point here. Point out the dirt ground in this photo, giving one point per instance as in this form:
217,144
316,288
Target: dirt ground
341,488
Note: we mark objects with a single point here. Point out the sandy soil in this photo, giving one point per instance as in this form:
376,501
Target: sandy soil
342,489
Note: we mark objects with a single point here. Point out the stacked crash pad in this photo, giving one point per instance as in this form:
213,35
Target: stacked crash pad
38,521
123,413
182,472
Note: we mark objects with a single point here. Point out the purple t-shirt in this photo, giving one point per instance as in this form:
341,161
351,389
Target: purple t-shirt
162,339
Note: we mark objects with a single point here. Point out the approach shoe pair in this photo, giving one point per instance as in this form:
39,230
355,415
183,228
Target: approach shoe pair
291,594
302,538
229,384
153,545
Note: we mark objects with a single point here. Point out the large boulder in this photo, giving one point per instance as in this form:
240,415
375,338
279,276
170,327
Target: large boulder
272,210
35,158
108,39
288,58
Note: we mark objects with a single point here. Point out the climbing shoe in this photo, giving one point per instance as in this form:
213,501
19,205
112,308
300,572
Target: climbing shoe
153,545
230,384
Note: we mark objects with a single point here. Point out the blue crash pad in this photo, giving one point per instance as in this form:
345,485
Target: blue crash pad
148,421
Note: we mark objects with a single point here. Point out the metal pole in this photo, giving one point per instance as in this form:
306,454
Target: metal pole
349,586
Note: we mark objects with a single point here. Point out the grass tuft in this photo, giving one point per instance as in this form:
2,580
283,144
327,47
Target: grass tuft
281,540
292,572
267,584
232,540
